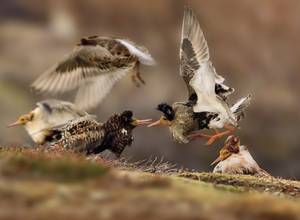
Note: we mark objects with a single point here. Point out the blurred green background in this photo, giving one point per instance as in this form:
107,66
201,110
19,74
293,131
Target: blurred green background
254,44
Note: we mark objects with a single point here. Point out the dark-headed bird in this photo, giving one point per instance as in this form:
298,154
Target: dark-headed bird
86,135
235,158
181,120
48,114
203,80
207,106
93,67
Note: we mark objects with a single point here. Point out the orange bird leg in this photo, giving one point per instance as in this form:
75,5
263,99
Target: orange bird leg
217,135
136,76
212,138
198,134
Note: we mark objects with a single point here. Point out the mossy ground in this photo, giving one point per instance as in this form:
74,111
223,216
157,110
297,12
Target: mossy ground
39,184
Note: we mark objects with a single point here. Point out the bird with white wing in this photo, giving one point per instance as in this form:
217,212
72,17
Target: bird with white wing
207,105
203,80
48,114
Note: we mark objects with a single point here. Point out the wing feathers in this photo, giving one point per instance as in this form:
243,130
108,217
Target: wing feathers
238,108
92,58
141,52
193,50
193,38
93,92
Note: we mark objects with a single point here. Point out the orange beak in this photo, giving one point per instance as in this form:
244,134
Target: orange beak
138,122
156,123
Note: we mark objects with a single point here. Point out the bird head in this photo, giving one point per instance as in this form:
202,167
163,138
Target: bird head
22,120
168,116
128,119
231,146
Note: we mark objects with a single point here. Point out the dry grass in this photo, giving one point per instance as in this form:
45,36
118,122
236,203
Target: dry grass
38,183
243,183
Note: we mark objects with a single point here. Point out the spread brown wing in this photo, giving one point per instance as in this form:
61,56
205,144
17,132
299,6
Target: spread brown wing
83,63
193,49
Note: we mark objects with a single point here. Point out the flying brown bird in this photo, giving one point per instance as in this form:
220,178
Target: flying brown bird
93,68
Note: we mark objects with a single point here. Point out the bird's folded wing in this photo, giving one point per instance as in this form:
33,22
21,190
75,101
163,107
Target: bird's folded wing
81,134
82,64
88,120
54,106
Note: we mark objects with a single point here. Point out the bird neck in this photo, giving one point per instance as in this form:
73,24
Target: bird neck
115,122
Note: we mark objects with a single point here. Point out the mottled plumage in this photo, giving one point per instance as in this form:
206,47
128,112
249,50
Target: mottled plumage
193,53
93,67
48,114
208,91
181,120
236,159
87,136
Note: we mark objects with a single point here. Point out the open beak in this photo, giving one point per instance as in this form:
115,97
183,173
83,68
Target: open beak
216,161
14,124
138,122
156,123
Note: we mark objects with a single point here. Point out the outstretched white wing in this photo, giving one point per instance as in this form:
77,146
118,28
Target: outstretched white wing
196,68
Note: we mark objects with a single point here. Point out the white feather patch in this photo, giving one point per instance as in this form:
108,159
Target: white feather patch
143,56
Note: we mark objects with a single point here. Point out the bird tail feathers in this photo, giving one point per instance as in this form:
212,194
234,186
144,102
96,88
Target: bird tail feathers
239,107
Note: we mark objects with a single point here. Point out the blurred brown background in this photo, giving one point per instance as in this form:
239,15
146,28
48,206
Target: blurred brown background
254,44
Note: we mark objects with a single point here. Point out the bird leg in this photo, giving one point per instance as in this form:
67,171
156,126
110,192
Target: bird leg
198,134
137,79
136,76
214,137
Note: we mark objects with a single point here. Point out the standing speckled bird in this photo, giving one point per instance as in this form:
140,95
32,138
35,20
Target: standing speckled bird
93,67
183,118
235,158
86,135
48,114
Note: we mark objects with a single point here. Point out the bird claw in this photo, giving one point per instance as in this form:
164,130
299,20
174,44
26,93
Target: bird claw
198,135
212,139
137,79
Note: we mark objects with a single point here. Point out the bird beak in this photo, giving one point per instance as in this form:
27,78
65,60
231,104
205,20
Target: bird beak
137,122
216,161
14,124
156,123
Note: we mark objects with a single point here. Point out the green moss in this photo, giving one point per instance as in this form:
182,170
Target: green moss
133,194
18,164
242,183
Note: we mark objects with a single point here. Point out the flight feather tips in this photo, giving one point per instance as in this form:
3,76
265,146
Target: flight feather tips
94,66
